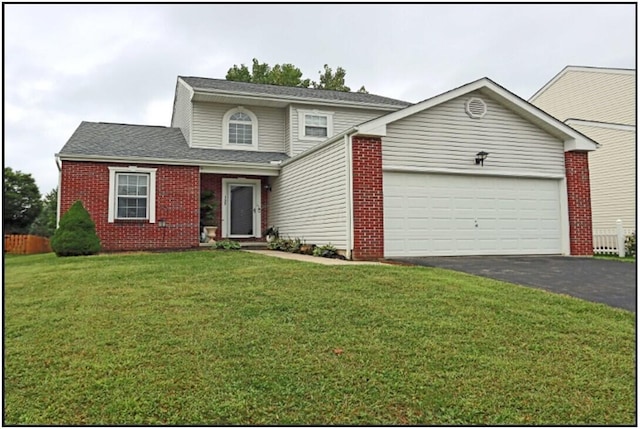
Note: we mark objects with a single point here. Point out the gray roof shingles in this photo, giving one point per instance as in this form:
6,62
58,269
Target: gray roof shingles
98,139
199,83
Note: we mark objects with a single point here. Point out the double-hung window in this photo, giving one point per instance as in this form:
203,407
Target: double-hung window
240,129
315,125
132,194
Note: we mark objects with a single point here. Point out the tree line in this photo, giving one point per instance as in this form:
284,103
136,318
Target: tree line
25,211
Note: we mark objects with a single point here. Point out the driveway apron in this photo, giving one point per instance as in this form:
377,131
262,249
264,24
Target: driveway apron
597,280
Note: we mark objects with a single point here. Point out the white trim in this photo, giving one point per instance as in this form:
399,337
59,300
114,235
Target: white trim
302,113
474,172
572,138
565,237
254,130
609,125
257,207
349,202
579,69
59,165
151,198
229,169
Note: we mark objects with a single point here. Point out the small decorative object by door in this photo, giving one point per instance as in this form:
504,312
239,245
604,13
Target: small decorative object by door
208,218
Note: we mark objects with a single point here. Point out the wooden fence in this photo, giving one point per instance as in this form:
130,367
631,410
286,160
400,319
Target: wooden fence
26,244
611,241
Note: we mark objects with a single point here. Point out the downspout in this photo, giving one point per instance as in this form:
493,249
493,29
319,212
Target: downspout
349,228
59,165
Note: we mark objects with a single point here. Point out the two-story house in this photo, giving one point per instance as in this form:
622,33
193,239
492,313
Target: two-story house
600,103
473,171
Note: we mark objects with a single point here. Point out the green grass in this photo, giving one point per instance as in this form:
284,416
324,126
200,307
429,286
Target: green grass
216,337
631,259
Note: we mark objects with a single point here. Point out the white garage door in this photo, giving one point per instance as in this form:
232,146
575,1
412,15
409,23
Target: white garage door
442,215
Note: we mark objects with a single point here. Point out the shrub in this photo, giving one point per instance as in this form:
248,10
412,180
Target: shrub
327,251
227,245
630,245
294,245
76,234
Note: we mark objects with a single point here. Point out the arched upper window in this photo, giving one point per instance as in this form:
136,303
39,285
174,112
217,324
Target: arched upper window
240,129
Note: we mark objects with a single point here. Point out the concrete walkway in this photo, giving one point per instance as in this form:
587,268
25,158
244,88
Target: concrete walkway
309,258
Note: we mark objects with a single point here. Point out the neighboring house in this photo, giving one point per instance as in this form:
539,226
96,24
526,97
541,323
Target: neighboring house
373,176
601,104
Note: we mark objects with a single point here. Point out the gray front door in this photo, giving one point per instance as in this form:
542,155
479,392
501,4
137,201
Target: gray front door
241,210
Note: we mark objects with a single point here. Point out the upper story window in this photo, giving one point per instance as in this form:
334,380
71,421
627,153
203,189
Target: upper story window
240,129
132,194
315,125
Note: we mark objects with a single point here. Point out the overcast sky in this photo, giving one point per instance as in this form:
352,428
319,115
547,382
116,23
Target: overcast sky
118,63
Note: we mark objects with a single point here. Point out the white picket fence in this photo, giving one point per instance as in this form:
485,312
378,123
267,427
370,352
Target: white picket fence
611,241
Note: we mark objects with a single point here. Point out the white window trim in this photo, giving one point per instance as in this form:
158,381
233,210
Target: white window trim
302,125
151,197
254,130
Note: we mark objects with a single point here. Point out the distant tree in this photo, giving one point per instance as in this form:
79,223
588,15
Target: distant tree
289,75
285,74
76,234
45,223
21,201
331,80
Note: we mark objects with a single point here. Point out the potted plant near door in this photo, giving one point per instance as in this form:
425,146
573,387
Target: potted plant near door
208,218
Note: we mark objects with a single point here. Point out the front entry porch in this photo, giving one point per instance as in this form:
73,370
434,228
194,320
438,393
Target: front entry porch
236,205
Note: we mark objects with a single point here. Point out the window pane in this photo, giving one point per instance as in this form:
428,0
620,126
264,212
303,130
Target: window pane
314,120
240,133
239,116
132,207
315,131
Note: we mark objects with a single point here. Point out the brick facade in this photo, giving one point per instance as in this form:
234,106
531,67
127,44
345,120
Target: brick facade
177,204
368,202
579,198
213,182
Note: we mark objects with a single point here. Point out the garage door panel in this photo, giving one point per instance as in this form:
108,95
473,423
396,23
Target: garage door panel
440,215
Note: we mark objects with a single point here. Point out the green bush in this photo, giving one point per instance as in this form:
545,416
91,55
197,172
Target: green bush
327,251
76,234
227,245
630,245
286,245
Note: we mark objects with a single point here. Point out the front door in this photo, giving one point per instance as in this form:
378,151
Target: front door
241,202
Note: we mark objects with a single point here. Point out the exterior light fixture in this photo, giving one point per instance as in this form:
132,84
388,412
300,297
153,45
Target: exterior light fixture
267,187
480,157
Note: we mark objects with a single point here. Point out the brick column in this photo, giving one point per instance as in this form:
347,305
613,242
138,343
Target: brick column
579,198
368,203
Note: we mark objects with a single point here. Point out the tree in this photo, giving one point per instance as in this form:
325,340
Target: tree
285,74
289,75
76,234
45,223
21,201
331,80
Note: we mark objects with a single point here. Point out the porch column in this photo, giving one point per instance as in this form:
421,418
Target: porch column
579,199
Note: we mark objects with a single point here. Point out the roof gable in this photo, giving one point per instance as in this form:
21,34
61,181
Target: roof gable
572,139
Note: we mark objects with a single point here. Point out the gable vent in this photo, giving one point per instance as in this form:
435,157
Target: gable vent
476,108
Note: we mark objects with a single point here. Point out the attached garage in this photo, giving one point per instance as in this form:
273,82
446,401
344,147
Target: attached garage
449,214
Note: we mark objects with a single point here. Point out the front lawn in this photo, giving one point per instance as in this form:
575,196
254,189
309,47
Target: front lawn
216,337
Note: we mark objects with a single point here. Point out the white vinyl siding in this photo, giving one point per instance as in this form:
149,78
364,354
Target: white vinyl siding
445,137
287,131
182,110
596,95
309,198
611,172
343,119
207,125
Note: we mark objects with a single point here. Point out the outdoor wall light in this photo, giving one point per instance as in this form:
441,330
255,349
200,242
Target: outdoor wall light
480,157
267,187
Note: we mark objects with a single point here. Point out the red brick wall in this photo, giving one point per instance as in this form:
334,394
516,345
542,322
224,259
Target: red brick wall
177,203
579,198
368,203
213,182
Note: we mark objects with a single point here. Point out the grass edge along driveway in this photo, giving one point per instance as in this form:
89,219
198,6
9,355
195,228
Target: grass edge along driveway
215,337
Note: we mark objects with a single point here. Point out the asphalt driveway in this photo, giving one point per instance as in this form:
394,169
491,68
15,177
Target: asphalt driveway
597,280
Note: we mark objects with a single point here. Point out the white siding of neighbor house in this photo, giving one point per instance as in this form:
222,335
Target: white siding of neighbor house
309,198
611,172
445,137
287,131
182,113
343,119
207,126
596,95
